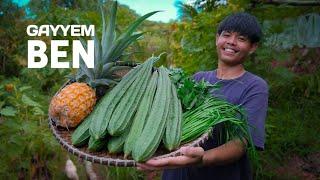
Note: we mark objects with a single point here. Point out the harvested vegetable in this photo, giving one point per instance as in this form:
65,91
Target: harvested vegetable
210,113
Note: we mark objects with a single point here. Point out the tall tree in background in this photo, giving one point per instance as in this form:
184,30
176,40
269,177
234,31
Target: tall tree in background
185,11
190,9
206,5
11,35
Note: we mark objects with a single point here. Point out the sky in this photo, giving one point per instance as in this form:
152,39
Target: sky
143,7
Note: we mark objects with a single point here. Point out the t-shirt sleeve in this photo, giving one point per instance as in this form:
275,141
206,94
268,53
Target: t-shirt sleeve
198,76
255,103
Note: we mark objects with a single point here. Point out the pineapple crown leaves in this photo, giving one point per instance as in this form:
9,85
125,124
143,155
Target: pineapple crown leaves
84,73
110,49
108,33
116,46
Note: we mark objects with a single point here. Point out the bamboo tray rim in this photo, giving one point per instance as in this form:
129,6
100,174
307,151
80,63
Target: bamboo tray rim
111,161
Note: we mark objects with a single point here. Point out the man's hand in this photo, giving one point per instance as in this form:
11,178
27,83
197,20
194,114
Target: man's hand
190,156
223,154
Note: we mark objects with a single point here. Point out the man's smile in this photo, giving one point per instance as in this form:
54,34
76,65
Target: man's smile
230,51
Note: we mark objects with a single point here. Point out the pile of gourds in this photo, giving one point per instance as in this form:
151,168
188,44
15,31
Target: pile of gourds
135,116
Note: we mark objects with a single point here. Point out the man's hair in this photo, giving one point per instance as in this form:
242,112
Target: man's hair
243,23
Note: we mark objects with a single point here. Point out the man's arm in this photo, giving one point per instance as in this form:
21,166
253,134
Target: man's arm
224,154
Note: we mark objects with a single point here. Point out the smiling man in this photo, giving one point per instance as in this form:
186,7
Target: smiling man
237,37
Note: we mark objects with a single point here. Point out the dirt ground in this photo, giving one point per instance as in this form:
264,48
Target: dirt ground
301,167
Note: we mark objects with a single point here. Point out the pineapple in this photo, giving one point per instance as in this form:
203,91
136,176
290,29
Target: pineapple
75,101
72,104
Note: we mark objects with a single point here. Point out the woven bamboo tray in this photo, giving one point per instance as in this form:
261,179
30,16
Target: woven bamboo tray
63,136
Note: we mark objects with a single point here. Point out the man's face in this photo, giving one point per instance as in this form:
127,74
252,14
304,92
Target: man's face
233,48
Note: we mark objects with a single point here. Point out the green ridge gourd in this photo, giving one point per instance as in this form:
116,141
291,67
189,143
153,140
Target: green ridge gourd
122,116
96,144
99,123
152,133
115,144
141,115
81,135
115,97
173,131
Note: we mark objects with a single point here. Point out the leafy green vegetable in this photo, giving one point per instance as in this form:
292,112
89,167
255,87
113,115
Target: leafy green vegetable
190,92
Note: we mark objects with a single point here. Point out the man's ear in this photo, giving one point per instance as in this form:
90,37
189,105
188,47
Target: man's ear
253,48
217,36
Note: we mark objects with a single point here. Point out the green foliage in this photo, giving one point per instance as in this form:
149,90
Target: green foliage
8,111
12,38
302,31
124,173
292,123
29,147
270,12
185,11
193,45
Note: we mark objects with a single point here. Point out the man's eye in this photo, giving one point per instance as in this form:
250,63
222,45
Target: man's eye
225,34
242,38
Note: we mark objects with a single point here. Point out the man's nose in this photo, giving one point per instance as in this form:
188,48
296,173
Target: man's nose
232,40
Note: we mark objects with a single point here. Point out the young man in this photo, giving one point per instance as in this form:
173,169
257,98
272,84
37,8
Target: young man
237,37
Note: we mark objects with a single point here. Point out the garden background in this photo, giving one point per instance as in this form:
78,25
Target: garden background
288,59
